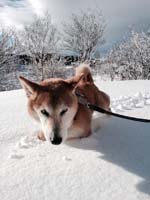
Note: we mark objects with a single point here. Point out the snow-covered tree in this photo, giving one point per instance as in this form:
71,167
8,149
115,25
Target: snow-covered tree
8,44
132,58
83,34
39,41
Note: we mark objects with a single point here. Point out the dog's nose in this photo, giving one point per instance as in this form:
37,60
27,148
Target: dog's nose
56,140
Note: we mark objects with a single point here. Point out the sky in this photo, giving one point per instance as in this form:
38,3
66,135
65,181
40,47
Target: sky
120,15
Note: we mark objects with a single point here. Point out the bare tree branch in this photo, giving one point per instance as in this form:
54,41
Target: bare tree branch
132,58
84,33
39,41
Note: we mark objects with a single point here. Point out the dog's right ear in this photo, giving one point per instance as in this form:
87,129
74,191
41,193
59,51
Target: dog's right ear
29,87
73,82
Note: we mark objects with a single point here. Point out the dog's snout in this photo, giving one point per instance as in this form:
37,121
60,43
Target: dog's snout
56,131
56,140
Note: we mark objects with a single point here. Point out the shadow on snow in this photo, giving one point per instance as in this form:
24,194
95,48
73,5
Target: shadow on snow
124,143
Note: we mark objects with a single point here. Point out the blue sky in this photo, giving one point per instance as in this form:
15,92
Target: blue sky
119,14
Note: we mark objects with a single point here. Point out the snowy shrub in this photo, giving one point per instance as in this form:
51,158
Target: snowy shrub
39,41
132,58
83,34
8,45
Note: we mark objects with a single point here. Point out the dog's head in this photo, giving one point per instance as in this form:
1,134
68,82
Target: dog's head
54,104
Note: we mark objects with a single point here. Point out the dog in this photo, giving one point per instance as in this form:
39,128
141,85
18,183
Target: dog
53,102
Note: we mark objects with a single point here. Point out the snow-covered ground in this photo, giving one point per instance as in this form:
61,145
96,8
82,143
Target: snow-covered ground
113,163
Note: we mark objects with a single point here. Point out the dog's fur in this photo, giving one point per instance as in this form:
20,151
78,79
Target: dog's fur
53,102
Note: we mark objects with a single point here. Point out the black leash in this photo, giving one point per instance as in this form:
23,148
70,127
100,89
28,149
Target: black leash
82,100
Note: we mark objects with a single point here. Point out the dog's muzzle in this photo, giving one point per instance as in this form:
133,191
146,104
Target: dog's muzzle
56,140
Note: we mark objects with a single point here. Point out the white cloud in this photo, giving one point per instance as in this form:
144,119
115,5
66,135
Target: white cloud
118,13
38,6
16,13
19,12
12,17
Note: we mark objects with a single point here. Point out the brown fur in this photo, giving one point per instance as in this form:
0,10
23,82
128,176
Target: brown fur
93,95
54,91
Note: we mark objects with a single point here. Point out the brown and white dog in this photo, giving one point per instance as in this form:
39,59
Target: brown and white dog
54,104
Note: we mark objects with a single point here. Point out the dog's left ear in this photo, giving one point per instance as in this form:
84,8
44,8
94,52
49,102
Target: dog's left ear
75,80
29,87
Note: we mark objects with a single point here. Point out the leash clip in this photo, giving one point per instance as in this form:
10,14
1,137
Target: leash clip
82,100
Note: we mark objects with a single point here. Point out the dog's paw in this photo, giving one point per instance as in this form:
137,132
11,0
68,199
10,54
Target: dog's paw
87,134
41,136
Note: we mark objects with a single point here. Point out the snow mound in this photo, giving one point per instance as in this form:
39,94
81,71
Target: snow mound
138,100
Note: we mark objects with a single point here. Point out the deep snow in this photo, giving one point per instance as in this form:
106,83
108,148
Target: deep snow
113,163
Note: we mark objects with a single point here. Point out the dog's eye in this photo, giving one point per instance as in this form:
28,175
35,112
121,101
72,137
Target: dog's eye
63,112
44,112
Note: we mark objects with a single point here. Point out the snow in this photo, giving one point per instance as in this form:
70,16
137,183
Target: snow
113,163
